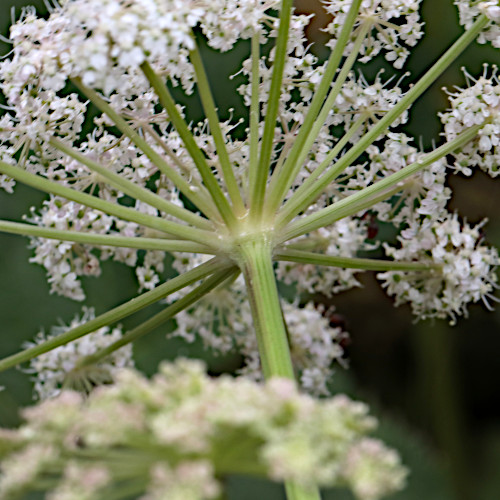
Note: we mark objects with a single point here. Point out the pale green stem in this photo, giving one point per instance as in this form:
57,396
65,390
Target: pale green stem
366,197
162,317
256,265
304,257
332,154
303,144
189,141
255,261
118,313
108,240
178,230
296,491
298,204
258,190
132,189
215,129
254,113
196,194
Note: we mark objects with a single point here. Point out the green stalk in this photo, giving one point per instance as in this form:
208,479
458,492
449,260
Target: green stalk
310,130
162,317
254,113
318,259
255,261
295,491
196,194
314,190
195,152
354,203
256,265
213,120
258,189
132,189
118,313
331,155
173,228
107,240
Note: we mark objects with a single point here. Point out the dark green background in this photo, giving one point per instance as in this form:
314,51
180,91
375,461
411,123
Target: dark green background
435,388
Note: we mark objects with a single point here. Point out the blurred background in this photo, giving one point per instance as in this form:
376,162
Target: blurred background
435,388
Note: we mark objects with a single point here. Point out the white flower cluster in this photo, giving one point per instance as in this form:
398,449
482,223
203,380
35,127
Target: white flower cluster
466,269
223,321
469,11
475,105
396,22
424,195
172,434
58,369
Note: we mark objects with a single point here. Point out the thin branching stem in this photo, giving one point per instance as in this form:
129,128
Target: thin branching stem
208,103
125,213
118,313
107,240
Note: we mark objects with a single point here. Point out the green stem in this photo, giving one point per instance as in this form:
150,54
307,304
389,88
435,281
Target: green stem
298,204
172,228
354,203
258,190
116,314
330,156
187,138
132,189
161,317
310,130
109,240
254,113
296,491
255,260
304,257
213,120
195,194
257,267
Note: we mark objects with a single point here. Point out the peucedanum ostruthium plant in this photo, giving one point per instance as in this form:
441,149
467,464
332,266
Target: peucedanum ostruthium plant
286,194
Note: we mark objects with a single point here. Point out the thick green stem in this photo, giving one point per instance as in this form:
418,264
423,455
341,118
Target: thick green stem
255,260
315,189
258,189
132,189
161,317
196,194
295,491
257,267
125,213
189,141
118,313
215,129
108,240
